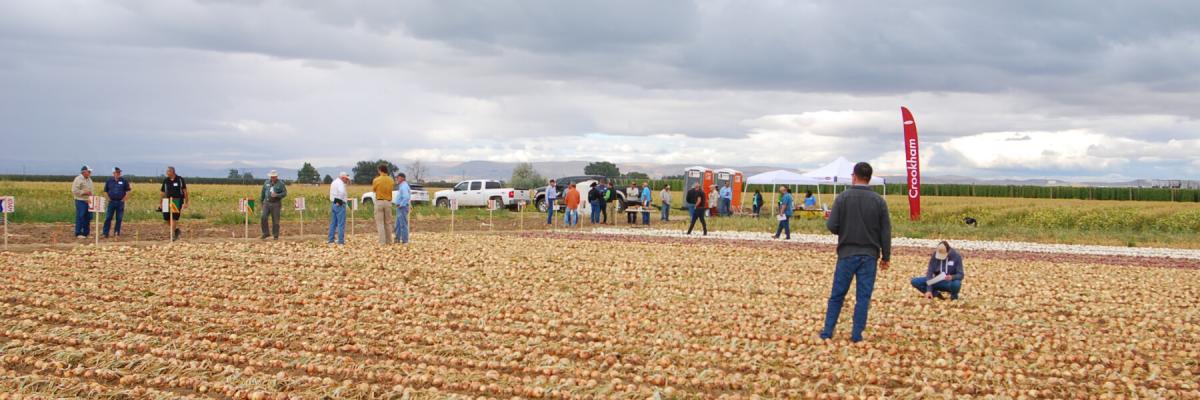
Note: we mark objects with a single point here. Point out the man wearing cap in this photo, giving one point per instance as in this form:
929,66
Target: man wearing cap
175,190
273,192
81,188
382,185
337,219
945,271
117,189
403,199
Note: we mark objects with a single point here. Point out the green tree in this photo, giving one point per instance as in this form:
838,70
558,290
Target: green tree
308,174
602,168
365,171
525,177
637,175
234,174
247,176
328,179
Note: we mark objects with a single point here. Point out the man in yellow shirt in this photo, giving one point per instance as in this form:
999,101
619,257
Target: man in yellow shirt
383,185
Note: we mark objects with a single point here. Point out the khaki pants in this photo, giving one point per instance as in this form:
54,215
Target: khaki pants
383,211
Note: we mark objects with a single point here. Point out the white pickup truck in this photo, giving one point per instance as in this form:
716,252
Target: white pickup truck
477,192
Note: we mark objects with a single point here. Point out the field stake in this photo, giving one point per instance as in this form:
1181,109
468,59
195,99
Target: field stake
96,219
301,222
246,222
5,216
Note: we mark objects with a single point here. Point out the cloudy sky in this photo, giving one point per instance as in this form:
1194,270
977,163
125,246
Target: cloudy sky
1067,89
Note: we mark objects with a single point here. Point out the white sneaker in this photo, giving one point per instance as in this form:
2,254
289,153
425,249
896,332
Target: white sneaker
80,237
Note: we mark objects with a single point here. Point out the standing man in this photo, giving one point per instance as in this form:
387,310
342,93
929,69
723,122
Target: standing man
81,188
551,195
175,190
665,197
605,194
118,190
403,200
383,185
594,202
696,198
273,192
860,220
337,218
572,200
646,201
727,201
785,213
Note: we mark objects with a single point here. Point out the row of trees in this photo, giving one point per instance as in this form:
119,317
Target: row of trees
523,174
363,172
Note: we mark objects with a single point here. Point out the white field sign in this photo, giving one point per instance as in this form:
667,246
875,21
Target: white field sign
8,204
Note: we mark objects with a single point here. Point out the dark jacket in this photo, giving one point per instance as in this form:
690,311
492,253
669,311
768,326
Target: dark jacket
593,195
953,266
696,197
860,219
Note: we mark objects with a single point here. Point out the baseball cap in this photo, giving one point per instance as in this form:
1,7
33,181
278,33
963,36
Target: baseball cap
941,253
85,168
116,169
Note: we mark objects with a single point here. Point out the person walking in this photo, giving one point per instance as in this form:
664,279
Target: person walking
664,197
860,220
174,189
756,203
118,190
785,213
273,192
572,201
945,270
727,201
81,189
337,211
551,195
646,201
383,185
403,200
696,198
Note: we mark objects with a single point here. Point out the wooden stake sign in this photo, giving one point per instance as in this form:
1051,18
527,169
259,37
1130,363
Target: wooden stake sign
453,208
300,208
7,206
96,206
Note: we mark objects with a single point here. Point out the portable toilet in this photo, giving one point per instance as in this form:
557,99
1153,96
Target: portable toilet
732,178
701,175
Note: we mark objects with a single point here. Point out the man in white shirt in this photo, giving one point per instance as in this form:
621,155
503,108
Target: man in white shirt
337,219
551,196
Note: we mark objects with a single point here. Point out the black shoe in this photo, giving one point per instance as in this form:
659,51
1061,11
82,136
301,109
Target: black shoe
775,237
105,236
939,295
264,237
178,233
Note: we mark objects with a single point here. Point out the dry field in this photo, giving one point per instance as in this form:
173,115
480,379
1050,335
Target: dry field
574,316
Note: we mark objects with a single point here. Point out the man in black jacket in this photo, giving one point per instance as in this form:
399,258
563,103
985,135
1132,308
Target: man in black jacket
696,196
860,220
594,202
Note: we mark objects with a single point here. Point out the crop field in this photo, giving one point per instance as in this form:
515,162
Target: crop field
577,316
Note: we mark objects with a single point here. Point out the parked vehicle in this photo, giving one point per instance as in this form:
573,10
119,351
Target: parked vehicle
477,192
582,183
419,194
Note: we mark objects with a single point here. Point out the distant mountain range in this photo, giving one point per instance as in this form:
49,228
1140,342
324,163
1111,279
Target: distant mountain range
454,171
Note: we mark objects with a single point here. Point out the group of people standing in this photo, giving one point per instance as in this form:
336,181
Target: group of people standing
117,190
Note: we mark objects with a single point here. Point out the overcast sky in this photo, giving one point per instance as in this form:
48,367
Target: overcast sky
1068,89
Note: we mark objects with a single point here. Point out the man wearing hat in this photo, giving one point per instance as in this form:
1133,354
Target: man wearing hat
273,192
118,190
945,271
81,188
337,219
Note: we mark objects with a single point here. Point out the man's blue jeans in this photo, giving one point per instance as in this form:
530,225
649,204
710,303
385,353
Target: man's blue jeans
116,209
951,287
571,217
402,224
549,211
785,227
726,207
666,212
337,223
596,205
83,218
860,269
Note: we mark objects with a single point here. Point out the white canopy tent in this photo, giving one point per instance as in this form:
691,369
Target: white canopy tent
775,178
841,171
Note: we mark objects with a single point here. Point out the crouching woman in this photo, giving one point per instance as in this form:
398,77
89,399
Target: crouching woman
944,274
